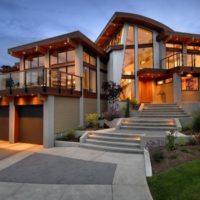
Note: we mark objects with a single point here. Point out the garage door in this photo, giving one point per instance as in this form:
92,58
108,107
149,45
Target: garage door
31,124
4,123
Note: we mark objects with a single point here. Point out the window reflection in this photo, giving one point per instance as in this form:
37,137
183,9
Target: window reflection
127,89
128,68
145,58
144,36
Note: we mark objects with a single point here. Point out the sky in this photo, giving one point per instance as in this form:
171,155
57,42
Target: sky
24,21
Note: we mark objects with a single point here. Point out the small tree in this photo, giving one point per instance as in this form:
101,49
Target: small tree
112,92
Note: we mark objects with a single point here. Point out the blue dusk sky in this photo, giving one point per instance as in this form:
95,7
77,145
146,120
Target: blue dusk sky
24,21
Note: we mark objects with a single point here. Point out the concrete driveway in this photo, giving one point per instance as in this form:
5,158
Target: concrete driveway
74,174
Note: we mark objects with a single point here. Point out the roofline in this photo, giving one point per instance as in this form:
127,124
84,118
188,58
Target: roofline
132,16
76,36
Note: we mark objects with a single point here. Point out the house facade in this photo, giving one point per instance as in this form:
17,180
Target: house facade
59,79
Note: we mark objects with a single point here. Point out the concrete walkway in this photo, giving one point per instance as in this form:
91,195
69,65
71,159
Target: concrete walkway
128,183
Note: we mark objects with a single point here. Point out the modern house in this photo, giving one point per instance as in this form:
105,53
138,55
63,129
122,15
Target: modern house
59,79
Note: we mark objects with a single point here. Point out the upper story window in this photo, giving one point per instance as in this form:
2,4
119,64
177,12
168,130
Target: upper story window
173,46
189,83
128,67
34,61
88,59
130,36
61,57
145,36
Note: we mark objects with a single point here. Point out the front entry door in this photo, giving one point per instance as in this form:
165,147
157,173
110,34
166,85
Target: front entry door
146,91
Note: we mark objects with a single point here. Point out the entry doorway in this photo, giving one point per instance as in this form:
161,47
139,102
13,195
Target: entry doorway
146,95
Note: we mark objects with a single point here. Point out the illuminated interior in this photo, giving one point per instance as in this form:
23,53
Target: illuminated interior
130,36
145,58
128,68
145,36
127,89
189,83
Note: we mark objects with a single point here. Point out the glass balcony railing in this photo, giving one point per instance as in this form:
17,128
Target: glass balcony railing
52,78
181,60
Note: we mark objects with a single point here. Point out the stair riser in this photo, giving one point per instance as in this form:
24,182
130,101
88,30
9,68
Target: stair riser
114,135
163,116
146,125
114,145
148,128
136,151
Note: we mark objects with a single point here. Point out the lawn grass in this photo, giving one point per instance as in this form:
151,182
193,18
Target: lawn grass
179,183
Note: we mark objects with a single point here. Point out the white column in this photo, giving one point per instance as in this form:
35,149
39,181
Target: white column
162,54
98,86
12,114
156,57
136,65
48,122
79,71
177,88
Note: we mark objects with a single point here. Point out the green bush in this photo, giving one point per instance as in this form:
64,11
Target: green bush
158,156
193,141
134,104
171,142
92,120
127,112
69,135
196,122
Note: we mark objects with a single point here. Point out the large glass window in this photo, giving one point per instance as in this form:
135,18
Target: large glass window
144,36
190,83
86,78
128,90
128,68
93,81
145,58
34,62
89,59
61,57
130,36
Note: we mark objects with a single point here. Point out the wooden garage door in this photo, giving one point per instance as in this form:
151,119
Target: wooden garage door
4,123
31,124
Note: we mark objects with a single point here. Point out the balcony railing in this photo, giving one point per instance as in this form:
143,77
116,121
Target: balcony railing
181,60
40,78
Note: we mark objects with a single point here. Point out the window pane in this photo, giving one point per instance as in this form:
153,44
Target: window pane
53,58
128,68
130,36
86,78
92,61
189,60
93,81
173,46
86,57
71,70
41,61
62,57
70,56
145,58
27,64
145,36
197,60
189,83
35,62
128,90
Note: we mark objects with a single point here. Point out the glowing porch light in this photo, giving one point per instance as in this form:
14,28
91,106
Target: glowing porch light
160,82
189,75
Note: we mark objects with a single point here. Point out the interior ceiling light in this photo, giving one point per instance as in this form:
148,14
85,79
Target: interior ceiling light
189,75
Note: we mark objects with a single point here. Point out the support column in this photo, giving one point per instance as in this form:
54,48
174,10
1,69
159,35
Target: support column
48,122
184,55
162,54
12,122
98,87
177,88
79,71
136,65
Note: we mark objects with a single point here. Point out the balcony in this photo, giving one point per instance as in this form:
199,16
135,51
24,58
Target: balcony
40,81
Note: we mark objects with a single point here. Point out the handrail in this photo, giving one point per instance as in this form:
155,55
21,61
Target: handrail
172,56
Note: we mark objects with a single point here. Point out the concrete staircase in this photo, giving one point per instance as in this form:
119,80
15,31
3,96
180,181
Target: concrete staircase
163,111
111,141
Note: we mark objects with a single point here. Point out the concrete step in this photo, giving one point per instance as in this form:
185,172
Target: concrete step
139,124
112,149
148,120
114,144
162,116
114,139
150,128
161,110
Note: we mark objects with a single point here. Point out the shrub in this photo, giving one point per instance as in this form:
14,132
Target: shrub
127,112
196,122
171,143
134,104
112,114
158,156
69,135
173,157
92,120
193,141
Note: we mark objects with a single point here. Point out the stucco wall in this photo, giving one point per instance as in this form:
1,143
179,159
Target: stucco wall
166,90
90,106
190,96
66,113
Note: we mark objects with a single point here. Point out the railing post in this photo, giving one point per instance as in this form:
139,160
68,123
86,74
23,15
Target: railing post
72,84
25,82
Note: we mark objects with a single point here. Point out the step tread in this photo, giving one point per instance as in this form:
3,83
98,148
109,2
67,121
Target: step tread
112,138
120,135
147,124
149,128
115,149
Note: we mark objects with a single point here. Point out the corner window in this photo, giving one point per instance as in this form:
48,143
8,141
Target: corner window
190,83
87,58
34,62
